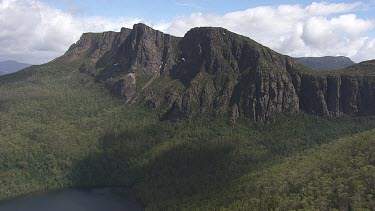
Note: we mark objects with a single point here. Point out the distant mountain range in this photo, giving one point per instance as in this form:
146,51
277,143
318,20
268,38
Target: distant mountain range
326,62
11,66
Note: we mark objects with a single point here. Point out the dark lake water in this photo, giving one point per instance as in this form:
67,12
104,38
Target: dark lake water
95,199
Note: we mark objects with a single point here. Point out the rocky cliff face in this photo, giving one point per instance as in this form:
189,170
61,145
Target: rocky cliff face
337,95
94,46
215,69
144,52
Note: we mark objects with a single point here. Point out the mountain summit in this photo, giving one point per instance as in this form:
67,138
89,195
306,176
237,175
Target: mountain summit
214,69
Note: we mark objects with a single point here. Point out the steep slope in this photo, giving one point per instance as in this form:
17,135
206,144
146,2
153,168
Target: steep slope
7,67
215,69
325,63
210,68
347,92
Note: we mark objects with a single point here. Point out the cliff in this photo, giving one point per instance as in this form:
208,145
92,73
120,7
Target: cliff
350,91
214,69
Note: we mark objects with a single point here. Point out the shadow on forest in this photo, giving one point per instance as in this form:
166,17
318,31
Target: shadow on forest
169,164
186,169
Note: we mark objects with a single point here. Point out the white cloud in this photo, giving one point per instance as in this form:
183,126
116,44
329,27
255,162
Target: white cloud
325,8
32,31
192,5
318,29
366,51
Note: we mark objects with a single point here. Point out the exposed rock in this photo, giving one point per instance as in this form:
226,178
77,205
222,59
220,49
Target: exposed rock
227,72
337,95
145,52
94,46
215,69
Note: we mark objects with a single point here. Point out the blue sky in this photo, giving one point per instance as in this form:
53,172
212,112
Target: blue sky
46,28
153,10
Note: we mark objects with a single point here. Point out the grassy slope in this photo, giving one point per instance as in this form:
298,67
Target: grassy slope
59,129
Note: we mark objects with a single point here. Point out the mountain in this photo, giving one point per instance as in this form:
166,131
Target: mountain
11,66
184,137
209,68
326,62
215,69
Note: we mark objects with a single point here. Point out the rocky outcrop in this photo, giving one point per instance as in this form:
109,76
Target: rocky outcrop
215,69
145,52
94,46
337,95
225,72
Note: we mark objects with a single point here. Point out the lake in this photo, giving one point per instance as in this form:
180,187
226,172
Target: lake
93,199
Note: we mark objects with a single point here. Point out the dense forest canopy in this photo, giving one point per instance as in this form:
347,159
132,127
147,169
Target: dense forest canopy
60,129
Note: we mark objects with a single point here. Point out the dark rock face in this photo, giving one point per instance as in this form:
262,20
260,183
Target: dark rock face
144,51
94,45
215,69
229,73
337,95
326,62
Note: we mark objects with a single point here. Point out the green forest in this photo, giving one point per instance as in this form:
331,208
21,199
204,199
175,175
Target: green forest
60,129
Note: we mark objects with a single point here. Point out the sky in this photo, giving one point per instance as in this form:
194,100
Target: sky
37,31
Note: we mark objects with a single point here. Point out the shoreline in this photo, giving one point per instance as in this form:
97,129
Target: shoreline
125,192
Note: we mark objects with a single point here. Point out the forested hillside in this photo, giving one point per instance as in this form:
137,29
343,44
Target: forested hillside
60,129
